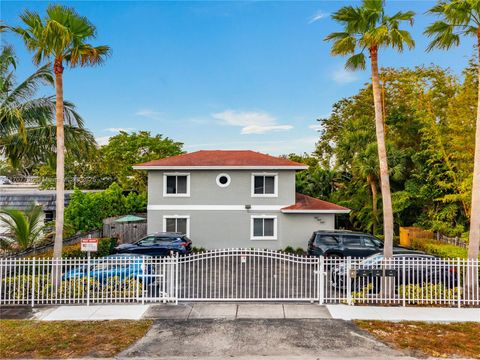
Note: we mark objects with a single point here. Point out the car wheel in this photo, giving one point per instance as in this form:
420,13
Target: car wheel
334,256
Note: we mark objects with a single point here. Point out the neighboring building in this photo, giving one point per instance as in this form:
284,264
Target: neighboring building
21,197
231,199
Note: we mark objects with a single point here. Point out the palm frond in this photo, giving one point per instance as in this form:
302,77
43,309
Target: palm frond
356,62
443,36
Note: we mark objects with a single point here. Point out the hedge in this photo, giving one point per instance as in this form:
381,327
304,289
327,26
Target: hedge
438,249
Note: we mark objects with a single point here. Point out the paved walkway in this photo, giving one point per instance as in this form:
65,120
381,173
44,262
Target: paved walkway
233,311
258,339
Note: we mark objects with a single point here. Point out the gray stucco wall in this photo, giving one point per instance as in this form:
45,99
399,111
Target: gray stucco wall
231,229
205,191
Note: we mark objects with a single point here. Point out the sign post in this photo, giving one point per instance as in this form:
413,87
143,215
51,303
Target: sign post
88,244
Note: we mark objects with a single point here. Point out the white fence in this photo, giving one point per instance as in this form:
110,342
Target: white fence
240,275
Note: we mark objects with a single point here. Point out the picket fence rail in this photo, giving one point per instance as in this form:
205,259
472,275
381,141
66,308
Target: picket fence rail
240,275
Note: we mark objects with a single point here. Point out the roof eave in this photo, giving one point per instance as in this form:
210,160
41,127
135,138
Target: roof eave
315,211
223,167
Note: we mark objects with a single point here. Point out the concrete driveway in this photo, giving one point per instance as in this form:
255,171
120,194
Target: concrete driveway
258,338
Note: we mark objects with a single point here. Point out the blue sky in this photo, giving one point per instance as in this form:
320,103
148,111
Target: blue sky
219,75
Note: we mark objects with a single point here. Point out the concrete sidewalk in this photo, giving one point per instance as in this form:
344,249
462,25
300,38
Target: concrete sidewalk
391,313
233,311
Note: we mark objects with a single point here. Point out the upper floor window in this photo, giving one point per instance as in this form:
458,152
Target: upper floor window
176,184
264,185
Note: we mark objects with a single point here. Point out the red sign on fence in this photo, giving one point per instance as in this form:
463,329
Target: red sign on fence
89,244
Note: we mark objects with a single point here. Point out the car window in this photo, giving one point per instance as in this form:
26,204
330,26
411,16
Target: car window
368,242
165,240
326,240
349,240
148,241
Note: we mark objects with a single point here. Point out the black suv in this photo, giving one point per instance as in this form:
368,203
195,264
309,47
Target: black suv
343,243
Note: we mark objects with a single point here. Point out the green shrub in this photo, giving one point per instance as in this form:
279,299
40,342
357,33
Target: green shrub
299,251
289,250
428,292
438,249
86,211
196,250
20,287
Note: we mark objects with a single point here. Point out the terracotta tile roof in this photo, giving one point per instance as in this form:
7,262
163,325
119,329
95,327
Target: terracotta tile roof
305,203
222,158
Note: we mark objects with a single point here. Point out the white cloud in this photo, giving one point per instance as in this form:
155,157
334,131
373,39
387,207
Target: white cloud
343,76
149,114
316,127
116,130
102,140
251,122
317,16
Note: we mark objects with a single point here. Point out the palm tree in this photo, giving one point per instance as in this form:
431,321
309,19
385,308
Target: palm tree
24,229
62,36
462,18
26,129
367,27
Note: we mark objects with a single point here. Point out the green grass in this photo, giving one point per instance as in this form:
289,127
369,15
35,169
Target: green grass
67,339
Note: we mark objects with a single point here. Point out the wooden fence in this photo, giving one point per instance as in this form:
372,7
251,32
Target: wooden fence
407,234
127,232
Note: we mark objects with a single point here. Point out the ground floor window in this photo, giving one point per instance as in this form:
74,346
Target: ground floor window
263,227
177,223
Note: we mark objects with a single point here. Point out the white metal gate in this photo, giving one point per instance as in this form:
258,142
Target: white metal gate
248,275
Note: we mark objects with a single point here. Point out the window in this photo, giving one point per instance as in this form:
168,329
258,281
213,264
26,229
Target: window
223,180
351,240
264,228
177,223
147,241
326,240
176,184
264,185
368,242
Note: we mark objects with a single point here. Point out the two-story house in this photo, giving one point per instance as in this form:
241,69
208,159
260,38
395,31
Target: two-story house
232,199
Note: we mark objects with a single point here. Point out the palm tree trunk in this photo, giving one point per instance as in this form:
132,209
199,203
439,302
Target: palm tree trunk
60,198
382,157
474,237
373,187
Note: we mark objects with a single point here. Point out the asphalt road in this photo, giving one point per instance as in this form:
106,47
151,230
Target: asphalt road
265,339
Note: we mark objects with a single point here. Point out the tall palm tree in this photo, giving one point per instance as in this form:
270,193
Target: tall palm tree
367,27
24,229
61,36
26,129
462,18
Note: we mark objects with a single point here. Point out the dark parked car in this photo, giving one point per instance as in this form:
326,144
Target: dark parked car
418,269
159,244
344,243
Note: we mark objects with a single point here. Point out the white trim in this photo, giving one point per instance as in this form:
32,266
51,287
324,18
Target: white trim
275,184
155,167
187,194
315,211
229,180
165,217
275,225
216,207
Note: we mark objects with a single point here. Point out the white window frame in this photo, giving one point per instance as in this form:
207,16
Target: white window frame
275,227
187,194
165,217
275,184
